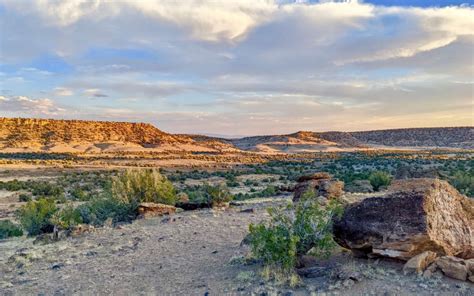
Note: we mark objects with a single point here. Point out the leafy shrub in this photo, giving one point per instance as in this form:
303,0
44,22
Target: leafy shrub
208,195
98,210
218,194
35,216
24,197
9,229
66,218
232,183
380,178
135,186
291,232
46,189
464,182
79,194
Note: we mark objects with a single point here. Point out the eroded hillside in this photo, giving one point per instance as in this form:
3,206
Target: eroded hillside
47,135
23,134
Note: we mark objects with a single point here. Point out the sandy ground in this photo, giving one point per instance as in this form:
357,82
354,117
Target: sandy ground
191,253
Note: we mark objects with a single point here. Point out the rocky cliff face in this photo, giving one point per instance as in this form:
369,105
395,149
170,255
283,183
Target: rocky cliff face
452,137
16,131
88,136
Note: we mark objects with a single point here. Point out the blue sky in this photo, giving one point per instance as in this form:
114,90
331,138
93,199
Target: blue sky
420,3
240,67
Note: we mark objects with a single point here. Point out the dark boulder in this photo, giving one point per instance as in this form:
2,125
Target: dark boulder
416,215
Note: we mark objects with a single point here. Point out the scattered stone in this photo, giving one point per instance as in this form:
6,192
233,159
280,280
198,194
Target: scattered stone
419,263
91,253
249,210
453,267
57,266
81,229
348,283
321,183
150,209
430,270
415,216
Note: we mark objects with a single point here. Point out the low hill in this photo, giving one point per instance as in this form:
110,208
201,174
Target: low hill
302,141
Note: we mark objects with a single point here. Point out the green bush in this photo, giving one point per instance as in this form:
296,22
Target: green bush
379,178
218,195
46,189
135,186
208,195
9,229
98,210
35,216
66,218
79,194
291,232
464,182
24,197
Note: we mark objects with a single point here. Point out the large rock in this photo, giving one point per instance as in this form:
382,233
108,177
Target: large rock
453,267
322,184
420,262
150,209
415,216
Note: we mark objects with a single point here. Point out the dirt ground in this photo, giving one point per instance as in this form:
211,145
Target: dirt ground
190,253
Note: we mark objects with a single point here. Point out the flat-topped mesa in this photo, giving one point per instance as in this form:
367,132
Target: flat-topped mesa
15,132
416,215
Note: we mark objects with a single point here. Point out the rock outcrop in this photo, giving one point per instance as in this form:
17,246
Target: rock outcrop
322,184
420,262
150,209
415,216
453,267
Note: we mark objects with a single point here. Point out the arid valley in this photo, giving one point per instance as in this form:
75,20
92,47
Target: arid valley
120,208
237,147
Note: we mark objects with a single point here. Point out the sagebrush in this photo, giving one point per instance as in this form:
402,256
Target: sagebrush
291,232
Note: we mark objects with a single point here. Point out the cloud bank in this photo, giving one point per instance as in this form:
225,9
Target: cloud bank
240,67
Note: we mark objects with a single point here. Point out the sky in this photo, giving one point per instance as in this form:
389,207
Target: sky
244,67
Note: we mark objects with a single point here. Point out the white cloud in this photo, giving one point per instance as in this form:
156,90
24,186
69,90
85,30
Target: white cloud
63,92
327,61
26,105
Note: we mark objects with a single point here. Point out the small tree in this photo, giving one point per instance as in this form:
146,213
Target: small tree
135,186
379,178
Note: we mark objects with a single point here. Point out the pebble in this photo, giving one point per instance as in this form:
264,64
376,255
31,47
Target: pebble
57,266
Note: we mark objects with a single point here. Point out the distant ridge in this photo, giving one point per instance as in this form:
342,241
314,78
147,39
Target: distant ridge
452,137
51,135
